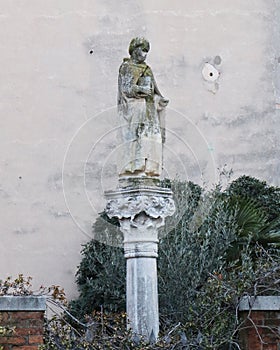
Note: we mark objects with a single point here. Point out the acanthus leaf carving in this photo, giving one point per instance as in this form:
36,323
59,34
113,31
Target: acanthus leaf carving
131,206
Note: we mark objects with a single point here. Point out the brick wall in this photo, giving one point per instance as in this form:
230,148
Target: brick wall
260,319
26,316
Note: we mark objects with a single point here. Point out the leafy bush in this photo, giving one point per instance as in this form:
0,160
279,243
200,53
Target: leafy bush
101,279
215,249
258,212
266,197
210,324
195,247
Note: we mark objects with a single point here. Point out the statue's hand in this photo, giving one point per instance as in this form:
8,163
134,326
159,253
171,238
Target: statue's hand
146,90
163,102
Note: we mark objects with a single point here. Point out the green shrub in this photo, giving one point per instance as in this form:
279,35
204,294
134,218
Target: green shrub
100,279
266,197
215,249
258,212
195,247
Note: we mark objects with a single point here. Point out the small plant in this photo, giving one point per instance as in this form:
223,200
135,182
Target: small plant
22,286
102,330
5,332
19,286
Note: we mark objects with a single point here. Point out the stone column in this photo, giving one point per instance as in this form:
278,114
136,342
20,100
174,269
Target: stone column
141,210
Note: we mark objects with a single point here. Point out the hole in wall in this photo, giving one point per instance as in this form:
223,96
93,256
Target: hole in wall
210,73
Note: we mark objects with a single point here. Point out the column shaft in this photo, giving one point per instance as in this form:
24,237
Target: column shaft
141,211
142,296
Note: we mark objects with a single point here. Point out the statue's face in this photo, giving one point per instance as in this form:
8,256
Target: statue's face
139,54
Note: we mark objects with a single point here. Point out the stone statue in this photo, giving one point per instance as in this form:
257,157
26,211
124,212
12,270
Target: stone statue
141,110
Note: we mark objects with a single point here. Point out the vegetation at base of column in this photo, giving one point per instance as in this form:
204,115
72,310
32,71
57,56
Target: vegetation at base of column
221,245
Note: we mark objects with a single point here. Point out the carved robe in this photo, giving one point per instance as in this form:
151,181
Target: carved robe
141,120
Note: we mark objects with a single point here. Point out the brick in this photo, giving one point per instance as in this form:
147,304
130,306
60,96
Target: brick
271,334
35,339
257,315
29,327
270,347
256,318
36,323
273,314
26,347
39,315
19,315
13,340
4,317
19,323
258,323
253,344
250,339
29,331
271,339
23,315
272,322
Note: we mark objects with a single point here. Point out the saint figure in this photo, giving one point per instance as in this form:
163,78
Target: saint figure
141,110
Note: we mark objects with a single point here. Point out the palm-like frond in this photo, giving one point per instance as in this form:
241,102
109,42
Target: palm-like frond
249,218
252,226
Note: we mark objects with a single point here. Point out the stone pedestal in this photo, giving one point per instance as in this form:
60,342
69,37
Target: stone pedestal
141,210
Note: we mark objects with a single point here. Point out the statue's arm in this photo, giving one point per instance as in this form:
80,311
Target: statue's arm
128,84
156,89
163,102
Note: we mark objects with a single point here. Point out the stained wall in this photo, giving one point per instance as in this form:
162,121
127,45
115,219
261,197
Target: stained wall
59,66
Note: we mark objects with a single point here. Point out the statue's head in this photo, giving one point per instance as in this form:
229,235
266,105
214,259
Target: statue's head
138,43
138,49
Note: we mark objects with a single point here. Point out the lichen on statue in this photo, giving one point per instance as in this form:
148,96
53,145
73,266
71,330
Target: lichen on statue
141,110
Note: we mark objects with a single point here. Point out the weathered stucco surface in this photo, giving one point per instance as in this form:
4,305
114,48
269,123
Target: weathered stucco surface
59,67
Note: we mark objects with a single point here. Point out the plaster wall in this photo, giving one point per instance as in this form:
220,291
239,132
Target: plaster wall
59,65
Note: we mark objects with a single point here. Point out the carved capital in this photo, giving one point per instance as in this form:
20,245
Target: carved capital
155,202
141,210
141,228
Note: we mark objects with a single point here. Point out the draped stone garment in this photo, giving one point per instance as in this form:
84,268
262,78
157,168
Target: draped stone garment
141,120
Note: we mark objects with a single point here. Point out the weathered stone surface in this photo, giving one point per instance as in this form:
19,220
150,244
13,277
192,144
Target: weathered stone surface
265,303
142,295
22,303
141,111
141,210
130,202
